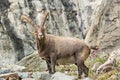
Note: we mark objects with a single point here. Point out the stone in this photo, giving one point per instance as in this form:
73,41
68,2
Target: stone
4,71
87,79
33,62
112,77
61,76
45,76
107,69
12,68
10,76
28,79
41,75
95,66
111,62
35,75
2,79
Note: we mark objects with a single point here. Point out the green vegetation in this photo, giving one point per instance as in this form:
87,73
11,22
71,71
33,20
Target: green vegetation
91,61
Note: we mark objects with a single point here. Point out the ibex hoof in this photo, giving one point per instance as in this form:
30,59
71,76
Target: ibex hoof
52,72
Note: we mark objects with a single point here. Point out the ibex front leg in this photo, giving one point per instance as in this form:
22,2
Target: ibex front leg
53,63
49,66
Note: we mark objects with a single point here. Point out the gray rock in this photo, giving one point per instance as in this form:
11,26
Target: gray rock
113,77
112,61
87,79
35,75
61,76
28,79
95,66
6,68
5,71
24,75
2,79
41,75
45,76
33,61
10,76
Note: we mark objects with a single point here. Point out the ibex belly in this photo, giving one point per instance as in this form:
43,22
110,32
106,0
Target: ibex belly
65,61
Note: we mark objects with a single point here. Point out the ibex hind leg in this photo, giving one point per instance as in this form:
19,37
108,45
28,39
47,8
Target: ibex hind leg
80,71
81,68
85,70
79,64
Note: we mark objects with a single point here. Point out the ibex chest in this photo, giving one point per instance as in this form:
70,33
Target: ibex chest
43,55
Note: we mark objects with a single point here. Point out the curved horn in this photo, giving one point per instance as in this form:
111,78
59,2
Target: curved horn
44,19
29,20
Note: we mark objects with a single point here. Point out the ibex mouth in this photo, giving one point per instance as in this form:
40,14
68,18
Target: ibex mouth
40,37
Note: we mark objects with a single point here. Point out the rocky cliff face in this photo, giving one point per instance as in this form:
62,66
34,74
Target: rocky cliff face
107,33
67,18
111,23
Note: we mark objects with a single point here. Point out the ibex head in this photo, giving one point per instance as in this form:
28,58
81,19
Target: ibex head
39,30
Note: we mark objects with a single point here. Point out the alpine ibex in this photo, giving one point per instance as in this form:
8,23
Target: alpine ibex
58,49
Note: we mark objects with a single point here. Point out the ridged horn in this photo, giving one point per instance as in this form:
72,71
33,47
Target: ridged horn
29,20
44,19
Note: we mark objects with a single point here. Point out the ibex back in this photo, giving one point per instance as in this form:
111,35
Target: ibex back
63,50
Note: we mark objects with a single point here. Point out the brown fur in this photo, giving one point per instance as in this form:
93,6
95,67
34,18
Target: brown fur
63,50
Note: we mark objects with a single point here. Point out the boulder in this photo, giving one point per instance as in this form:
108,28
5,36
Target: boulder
12,67
2,79
28,79
10,76
113,77
33,62
61,76
34,75
45,76
95,66
111,62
